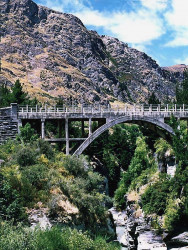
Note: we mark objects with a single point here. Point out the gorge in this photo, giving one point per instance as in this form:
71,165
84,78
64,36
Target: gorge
67,90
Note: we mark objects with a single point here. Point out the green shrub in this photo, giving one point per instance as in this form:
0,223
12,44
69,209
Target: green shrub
27,134
11,205
18,237
139,163
45,148
172,214
83,188
37,175
76,166
26,156
155,198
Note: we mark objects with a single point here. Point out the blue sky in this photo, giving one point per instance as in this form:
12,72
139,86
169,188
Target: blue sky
157,27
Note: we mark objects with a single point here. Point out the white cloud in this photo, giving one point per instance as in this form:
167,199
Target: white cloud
183,60
64,5
137,27
155,5
177,20
94,17
139,47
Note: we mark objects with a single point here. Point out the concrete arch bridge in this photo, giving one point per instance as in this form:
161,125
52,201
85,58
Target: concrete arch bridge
153,117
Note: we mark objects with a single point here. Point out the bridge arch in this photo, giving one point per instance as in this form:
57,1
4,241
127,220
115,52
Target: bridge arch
124,119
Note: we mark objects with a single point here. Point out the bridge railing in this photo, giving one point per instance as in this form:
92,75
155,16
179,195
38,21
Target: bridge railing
102,109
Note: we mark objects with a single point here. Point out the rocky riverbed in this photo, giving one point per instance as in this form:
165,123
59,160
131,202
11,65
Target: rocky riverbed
134,232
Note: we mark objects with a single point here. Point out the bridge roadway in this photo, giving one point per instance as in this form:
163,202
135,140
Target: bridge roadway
152,116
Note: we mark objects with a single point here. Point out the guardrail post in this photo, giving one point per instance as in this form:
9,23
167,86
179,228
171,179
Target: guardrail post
183,107
167,107
175,108
27,109
159,107
142,108
150,108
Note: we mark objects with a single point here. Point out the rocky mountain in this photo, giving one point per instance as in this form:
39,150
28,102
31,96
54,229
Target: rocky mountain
54,55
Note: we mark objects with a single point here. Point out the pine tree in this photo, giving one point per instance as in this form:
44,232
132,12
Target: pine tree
153,99
5,96
17,95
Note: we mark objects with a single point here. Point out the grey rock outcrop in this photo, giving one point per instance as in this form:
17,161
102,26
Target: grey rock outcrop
54,55
39,217
181,239
134,231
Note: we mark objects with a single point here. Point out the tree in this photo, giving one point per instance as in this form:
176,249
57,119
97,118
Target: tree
182,90
27,134
5,96
139,162
153,99
18,95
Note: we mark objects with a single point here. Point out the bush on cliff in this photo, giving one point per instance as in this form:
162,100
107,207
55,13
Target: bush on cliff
155,198
140,161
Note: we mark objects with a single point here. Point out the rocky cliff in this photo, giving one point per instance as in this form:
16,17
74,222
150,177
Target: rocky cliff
54,55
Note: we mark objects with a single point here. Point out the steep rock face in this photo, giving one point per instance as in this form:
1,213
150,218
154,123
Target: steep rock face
54,55
138,74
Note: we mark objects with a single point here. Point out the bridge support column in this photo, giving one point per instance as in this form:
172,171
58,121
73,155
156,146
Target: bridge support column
42,129
90,126
19,125
67,135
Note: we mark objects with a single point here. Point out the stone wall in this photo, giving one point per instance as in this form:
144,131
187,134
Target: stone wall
8,125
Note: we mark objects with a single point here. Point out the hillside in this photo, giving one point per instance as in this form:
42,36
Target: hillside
54,55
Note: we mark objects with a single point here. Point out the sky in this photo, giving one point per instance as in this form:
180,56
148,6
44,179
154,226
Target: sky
157,27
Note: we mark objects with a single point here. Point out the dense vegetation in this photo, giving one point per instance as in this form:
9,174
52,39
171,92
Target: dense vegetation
163,195
19,237
114,149
35,172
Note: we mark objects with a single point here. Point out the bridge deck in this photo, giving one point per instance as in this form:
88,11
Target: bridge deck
76,112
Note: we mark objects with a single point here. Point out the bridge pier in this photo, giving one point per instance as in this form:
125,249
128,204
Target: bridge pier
19,125
67,135
42,128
